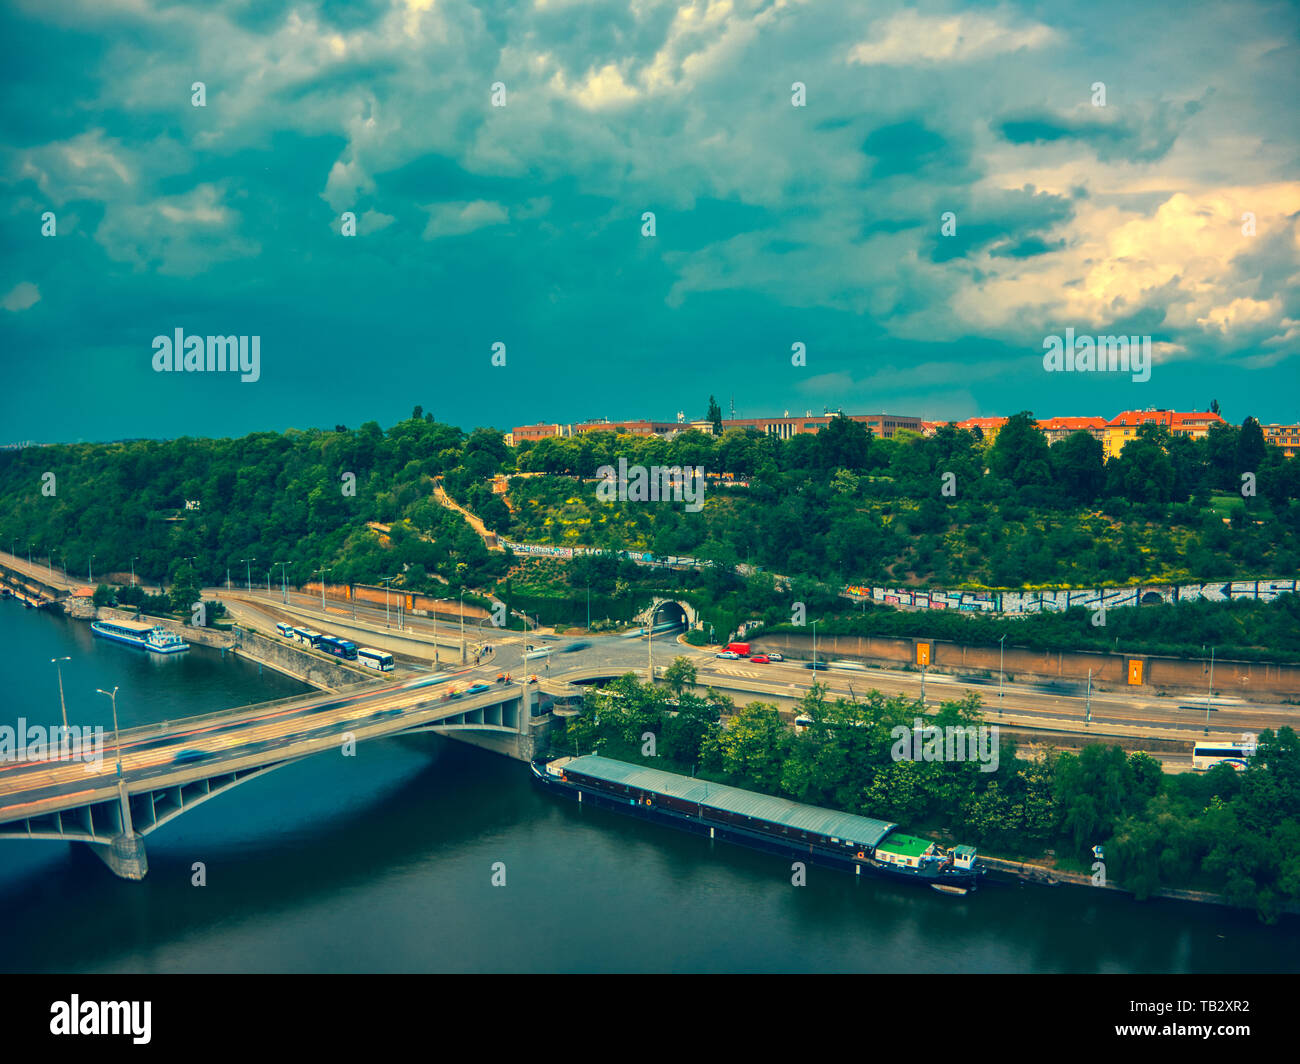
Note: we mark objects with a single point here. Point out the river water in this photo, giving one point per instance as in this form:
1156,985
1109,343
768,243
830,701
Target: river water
385,861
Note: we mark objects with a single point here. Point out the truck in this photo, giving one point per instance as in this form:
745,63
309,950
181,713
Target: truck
739,648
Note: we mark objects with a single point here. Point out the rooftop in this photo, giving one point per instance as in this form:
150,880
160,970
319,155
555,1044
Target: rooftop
861,830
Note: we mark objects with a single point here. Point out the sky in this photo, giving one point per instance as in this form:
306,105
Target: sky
1111,168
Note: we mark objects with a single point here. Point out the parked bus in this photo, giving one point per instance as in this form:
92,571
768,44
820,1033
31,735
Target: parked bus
375,659
306,635
1208,754
285,630
340,648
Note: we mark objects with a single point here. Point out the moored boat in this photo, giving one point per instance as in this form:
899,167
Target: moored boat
152,637
759,821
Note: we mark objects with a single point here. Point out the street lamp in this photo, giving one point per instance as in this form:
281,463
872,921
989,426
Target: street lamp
90,570
284,588
133,561
1209,691
322,586
117,742
248,576
57,663
1001,651
387,580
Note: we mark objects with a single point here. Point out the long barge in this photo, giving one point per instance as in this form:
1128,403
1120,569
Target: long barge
759,821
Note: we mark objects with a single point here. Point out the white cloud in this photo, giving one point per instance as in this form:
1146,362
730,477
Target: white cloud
456,219
21,296
910,37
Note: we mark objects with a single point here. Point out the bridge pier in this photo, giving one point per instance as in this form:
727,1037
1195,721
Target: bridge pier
124,856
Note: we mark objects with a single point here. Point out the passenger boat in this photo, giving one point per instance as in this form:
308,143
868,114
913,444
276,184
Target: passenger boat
762,822
151,637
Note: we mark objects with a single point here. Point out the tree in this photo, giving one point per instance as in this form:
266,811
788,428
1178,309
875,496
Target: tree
680,675
715,415
1251,448
1020,454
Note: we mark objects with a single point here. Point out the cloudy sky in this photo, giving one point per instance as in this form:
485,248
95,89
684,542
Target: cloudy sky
522,224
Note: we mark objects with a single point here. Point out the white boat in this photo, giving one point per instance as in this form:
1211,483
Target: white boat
151,637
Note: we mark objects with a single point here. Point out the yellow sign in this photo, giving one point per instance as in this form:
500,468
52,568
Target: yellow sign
1135,672
923,653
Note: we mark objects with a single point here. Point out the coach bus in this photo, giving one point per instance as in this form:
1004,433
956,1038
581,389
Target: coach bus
371,658
340,648
306,635
285,630
1207,755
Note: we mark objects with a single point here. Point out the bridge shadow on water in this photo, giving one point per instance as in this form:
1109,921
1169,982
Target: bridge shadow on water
428,796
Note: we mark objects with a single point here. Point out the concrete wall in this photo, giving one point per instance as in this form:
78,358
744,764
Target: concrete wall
298,662
414,603
1109,671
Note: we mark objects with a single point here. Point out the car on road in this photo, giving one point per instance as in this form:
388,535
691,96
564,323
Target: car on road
816,665
574,646
477,688
186,757
760,659
772,655
730,655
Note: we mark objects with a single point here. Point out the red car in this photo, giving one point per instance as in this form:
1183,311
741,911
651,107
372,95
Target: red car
760,659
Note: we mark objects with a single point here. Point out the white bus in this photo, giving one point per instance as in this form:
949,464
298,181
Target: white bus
375,659
306,635
1208,754
285,630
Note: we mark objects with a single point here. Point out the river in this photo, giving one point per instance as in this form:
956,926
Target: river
385,861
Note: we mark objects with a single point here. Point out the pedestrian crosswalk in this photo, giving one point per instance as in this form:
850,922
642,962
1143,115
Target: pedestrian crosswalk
738,670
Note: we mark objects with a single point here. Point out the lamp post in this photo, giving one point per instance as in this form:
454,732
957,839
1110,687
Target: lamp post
57,663
133,561
248,575
90,570
388,580
117,745
1001,652
322,586
284,587
268,580
1209,691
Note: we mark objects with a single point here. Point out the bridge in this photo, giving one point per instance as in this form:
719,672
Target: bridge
154,773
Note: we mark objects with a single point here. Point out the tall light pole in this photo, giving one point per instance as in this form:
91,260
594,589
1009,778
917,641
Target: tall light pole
90,570
268,580
322,586
117,743
388,580
1209,691
1001,652
57,663
284,587
133,560
248,574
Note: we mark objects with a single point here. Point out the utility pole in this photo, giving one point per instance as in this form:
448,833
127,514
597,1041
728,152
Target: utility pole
133,558
284,587
1087,712
387,581
248,570
322,587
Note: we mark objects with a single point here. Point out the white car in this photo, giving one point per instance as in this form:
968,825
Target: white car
774,656
729,654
